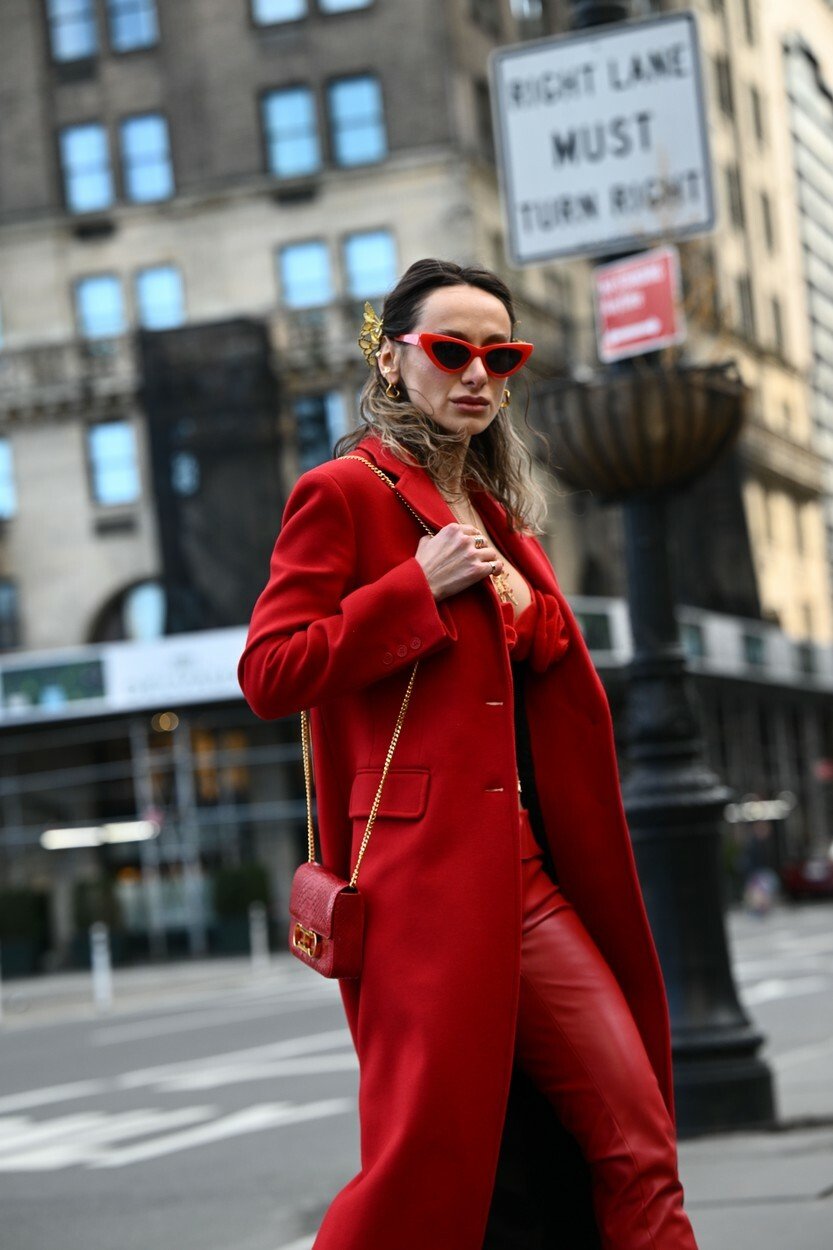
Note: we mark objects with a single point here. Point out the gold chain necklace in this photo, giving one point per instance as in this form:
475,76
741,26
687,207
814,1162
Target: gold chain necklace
501,582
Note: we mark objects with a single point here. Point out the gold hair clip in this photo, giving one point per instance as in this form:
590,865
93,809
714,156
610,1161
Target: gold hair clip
371,334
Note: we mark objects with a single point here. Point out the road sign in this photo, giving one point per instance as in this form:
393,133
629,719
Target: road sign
637,304
602,139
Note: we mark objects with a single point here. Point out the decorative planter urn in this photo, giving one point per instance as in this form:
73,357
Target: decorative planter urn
640,431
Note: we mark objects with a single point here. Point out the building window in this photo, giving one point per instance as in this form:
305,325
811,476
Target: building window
769,225
342,6
133,24
269,12
777,325
114,462
9,615
85,162
305,275
757,115
185,473
8,493
754,650
735,196
291,128
693,640
746,307
99,307
724,85
159,297
146,159
749,20
370,263
357,120
798,515
72,29
143,612
319,422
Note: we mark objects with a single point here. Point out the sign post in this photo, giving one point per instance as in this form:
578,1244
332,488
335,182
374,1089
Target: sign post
602,139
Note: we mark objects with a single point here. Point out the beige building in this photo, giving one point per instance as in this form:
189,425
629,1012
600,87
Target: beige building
178,176
747,300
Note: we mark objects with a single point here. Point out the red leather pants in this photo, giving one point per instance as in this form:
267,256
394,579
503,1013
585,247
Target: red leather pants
578,1042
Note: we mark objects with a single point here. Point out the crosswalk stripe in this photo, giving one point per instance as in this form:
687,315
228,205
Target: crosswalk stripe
252,1120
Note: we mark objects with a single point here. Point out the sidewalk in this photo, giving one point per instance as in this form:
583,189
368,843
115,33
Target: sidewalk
764,1190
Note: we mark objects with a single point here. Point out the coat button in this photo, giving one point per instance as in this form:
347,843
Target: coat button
401,650
416,642
387,658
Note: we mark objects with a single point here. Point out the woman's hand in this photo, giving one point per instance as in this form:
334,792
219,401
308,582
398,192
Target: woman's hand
451,562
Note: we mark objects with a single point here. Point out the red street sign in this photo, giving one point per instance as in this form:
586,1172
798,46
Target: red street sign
637,304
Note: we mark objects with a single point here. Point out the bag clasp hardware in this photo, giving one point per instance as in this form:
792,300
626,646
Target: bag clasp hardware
307,940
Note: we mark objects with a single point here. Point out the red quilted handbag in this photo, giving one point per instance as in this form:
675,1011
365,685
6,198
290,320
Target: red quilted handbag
326,913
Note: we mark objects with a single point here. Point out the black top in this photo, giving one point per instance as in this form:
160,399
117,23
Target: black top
526,772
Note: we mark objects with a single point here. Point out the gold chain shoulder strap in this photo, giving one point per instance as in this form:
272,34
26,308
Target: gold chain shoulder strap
375,469
305,729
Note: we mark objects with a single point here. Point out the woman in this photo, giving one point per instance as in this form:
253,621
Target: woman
506,933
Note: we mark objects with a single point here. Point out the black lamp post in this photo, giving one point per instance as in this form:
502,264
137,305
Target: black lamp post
631,435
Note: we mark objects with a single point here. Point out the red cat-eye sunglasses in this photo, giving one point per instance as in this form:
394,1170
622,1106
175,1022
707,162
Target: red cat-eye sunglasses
454,355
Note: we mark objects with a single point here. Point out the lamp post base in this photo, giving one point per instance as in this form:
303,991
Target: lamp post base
675,804
715,1094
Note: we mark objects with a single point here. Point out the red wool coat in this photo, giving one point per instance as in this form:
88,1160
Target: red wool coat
346,612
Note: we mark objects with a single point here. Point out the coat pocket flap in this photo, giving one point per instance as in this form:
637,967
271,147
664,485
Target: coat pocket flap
404,794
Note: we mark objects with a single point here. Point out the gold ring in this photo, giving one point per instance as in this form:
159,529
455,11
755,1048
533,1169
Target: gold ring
480,541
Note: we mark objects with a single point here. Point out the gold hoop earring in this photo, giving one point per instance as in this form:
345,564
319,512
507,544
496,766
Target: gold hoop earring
392,391
507,395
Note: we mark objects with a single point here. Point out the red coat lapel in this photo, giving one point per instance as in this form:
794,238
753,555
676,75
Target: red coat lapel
415,485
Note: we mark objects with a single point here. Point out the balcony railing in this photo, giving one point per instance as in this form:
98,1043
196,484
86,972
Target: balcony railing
53,375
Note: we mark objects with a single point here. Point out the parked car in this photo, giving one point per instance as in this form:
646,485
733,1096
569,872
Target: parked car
811,877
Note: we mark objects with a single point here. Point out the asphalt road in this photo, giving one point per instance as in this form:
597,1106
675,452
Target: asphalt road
219,1111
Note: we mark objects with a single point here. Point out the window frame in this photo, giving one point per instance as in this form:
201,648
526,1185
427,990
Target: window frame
298,243
345,269
123,122
747,321
277,22
111,171
734,195
103,504
263,97
137,302
50,26
134,48
332,130
77,283
354,8
5,441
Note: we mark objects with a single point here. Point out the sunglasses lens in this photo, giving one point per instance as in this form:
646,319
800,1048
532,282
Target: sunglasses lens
504,360
451,355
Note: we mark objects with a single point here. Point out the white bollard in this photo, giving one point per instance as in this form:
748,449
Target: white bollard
258,937
101,966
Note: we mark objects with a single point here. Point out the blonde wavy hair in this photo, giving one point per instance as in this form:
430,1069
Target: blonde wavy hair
498,460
